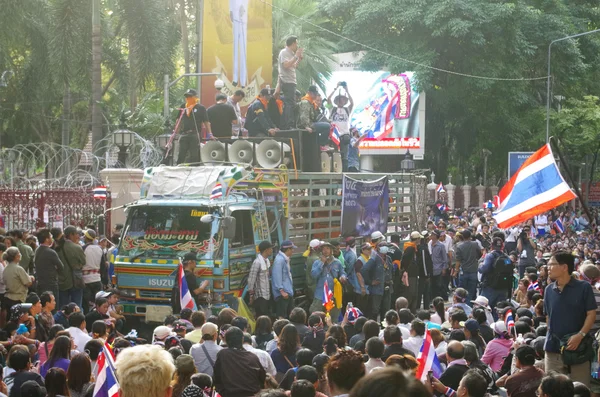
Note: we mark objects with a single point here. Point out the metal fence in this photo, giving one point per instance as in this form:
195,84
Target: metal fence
34,209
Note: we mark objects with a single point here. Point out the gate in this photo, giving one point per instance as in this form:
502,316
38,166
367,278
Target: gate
35,209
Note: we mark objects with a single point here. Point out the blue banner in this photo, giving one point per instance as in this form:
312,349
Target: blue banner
365,206
516,160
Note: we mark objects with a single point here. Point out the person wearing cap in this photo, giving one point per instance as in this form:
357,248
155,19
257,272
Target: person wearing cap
376,238
258,123
205,352
483,303
258,279
189,265
311,254
472,333
47,264
340,116
362,294
499,347
16,280
352,289
410,270
94,262
193,115
281,280
439,258
326,268
70,280
378,275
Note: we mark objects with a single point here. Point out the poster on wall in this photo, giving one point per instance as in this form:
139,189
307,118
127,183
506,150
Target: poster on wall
237,44
365,206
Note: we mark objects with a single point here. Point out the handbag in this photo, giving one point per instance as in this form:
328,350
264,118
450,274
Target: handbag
583,353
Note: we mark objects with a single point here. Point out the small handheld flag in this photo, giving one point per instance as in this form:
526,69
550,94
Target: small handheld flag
106,381
334,135
488,204
185,296
327,297
100,192
440,188
534,286
558,225
509,320
441,207
428,360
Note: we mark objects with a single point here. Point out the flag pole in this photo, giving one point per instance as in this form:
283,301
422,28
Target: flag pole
553,141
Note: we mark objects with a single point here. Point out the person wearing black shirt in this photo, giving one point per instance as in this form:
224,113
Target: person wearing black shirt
189,265
258,122
222,116
193,115
392,337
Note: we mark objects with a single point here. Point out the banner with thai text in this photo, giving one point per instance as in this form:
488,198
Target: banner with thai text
365,206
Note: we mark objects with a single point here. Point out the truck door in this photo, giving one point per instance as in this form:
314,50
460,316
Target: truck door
242,249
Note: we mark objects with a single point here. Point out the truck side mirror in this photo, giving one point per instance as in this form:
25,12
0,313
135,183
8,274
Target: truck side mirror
228,227
208,218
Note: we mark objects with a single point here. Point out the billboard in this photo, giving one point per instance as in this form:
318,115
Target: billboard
515,161
387,108
237,44
594,195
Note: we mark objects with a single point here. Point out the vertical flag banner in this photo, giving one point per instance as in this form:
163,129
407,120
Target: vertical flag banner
365,206
185,297
428,360
327,297
106,381
535,188
509,320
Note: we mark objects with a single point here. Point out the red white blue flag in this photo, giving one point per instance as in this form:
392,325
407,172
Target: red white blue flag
428,360
327,297
441,207
100,192
334,135
509,320
217,191
534,286
535,188
440,188
106,381
558,225
185,297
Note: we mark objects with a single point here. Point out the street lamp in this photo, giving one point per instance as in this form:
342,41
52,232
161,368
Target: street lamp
122,138
549,76
408,163
219,84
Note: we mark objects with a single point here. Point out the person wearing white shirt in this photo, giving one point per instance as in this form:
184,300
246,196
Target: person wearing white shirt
265,358
415,342
541,222
374,349
234,100
78,331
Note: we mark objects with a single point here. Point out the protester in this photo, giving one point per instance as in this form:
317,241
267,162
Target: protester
287,62
205,353
258,279
222,116
56,382
145,371
60,355
192,117
47,264
282,283
79,375
73,258
344,370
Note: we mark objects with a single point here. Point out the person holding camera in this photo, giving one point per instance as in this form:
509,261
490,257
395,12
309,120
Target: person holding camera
526,248
340,116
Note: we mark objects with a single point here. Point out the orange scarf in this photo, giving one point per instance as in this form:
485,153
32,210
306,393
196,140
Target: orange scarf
310,100
190,102
263,101
279,105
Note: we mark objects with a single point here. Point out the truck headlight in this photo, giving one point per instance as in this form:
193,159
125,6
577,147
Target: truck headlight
127,293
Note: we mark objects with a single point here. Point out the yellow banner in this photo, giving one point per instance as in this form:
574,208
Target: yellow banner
237,44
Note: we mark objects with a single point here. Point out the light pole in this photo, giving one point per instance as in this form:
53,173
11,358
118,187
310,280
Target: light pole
122,138
549,76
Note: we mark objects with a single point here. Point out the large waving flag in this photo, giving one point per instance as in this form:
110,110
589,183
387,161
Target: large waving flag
535,188
428,360
106,381
185,297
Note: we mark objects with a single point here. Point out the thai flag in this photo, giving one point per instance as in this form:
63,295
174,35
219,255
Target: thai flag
334,135
217,191
106,381
496,201
558,225
441,207
440,188
327,297
100,192
509,320
428,360
185,297
488,204
535,188
534,286
353,314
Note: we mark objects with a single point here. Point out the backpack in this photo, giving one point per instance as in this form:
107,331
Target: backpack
502,273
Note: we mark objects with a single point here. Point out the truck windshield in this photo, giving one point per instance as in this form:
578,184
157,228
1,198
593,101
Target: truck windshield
168,232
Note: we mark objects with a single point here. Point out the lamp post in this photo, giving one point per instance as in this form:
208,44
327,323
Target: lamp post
122,138
407,164
549,76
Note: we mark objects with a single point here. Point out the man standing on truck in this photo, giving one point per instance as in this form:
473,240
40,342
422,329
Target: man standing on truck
189,265
258,279
283,288
327,268
193,116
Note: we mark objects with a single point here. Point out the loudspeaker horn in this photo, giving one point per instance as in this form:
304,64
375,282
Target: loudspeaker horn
269,154
337,162
241,151
213,151
325,162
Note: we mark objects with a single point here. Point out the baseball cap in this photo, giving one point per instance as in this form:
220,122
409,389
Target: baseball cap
470,325
376,235
499,327
162,332
314,244
287,244
32,389
265,92
190,256
209,329
20,308
191,92
415,235
103,294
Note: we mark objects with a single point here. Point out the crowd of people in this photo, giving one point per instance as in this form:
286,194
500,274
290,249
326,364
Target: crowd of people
274,113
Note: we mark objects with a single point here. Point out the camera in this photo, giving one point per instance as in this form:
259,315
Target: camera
523,235
343,84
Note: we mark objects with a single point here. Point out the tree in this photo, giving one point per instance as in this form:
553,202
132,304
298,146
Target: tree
318,49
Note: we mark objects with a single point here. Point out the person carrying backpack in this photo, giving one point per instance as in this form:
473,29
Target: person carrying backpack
497,274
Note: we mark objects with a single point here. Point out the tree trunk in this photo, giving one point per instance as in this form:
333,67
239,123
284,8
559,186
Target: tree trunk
65,135
132,80
184,41
96,78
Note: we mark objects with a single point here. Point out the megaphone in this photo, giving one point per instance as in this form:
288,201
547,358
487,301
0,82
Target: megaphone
241,151
269,154
325,162
213,151
337,162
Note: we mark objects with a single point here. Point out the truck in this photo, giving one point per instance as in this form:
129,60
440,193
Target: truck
222,213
